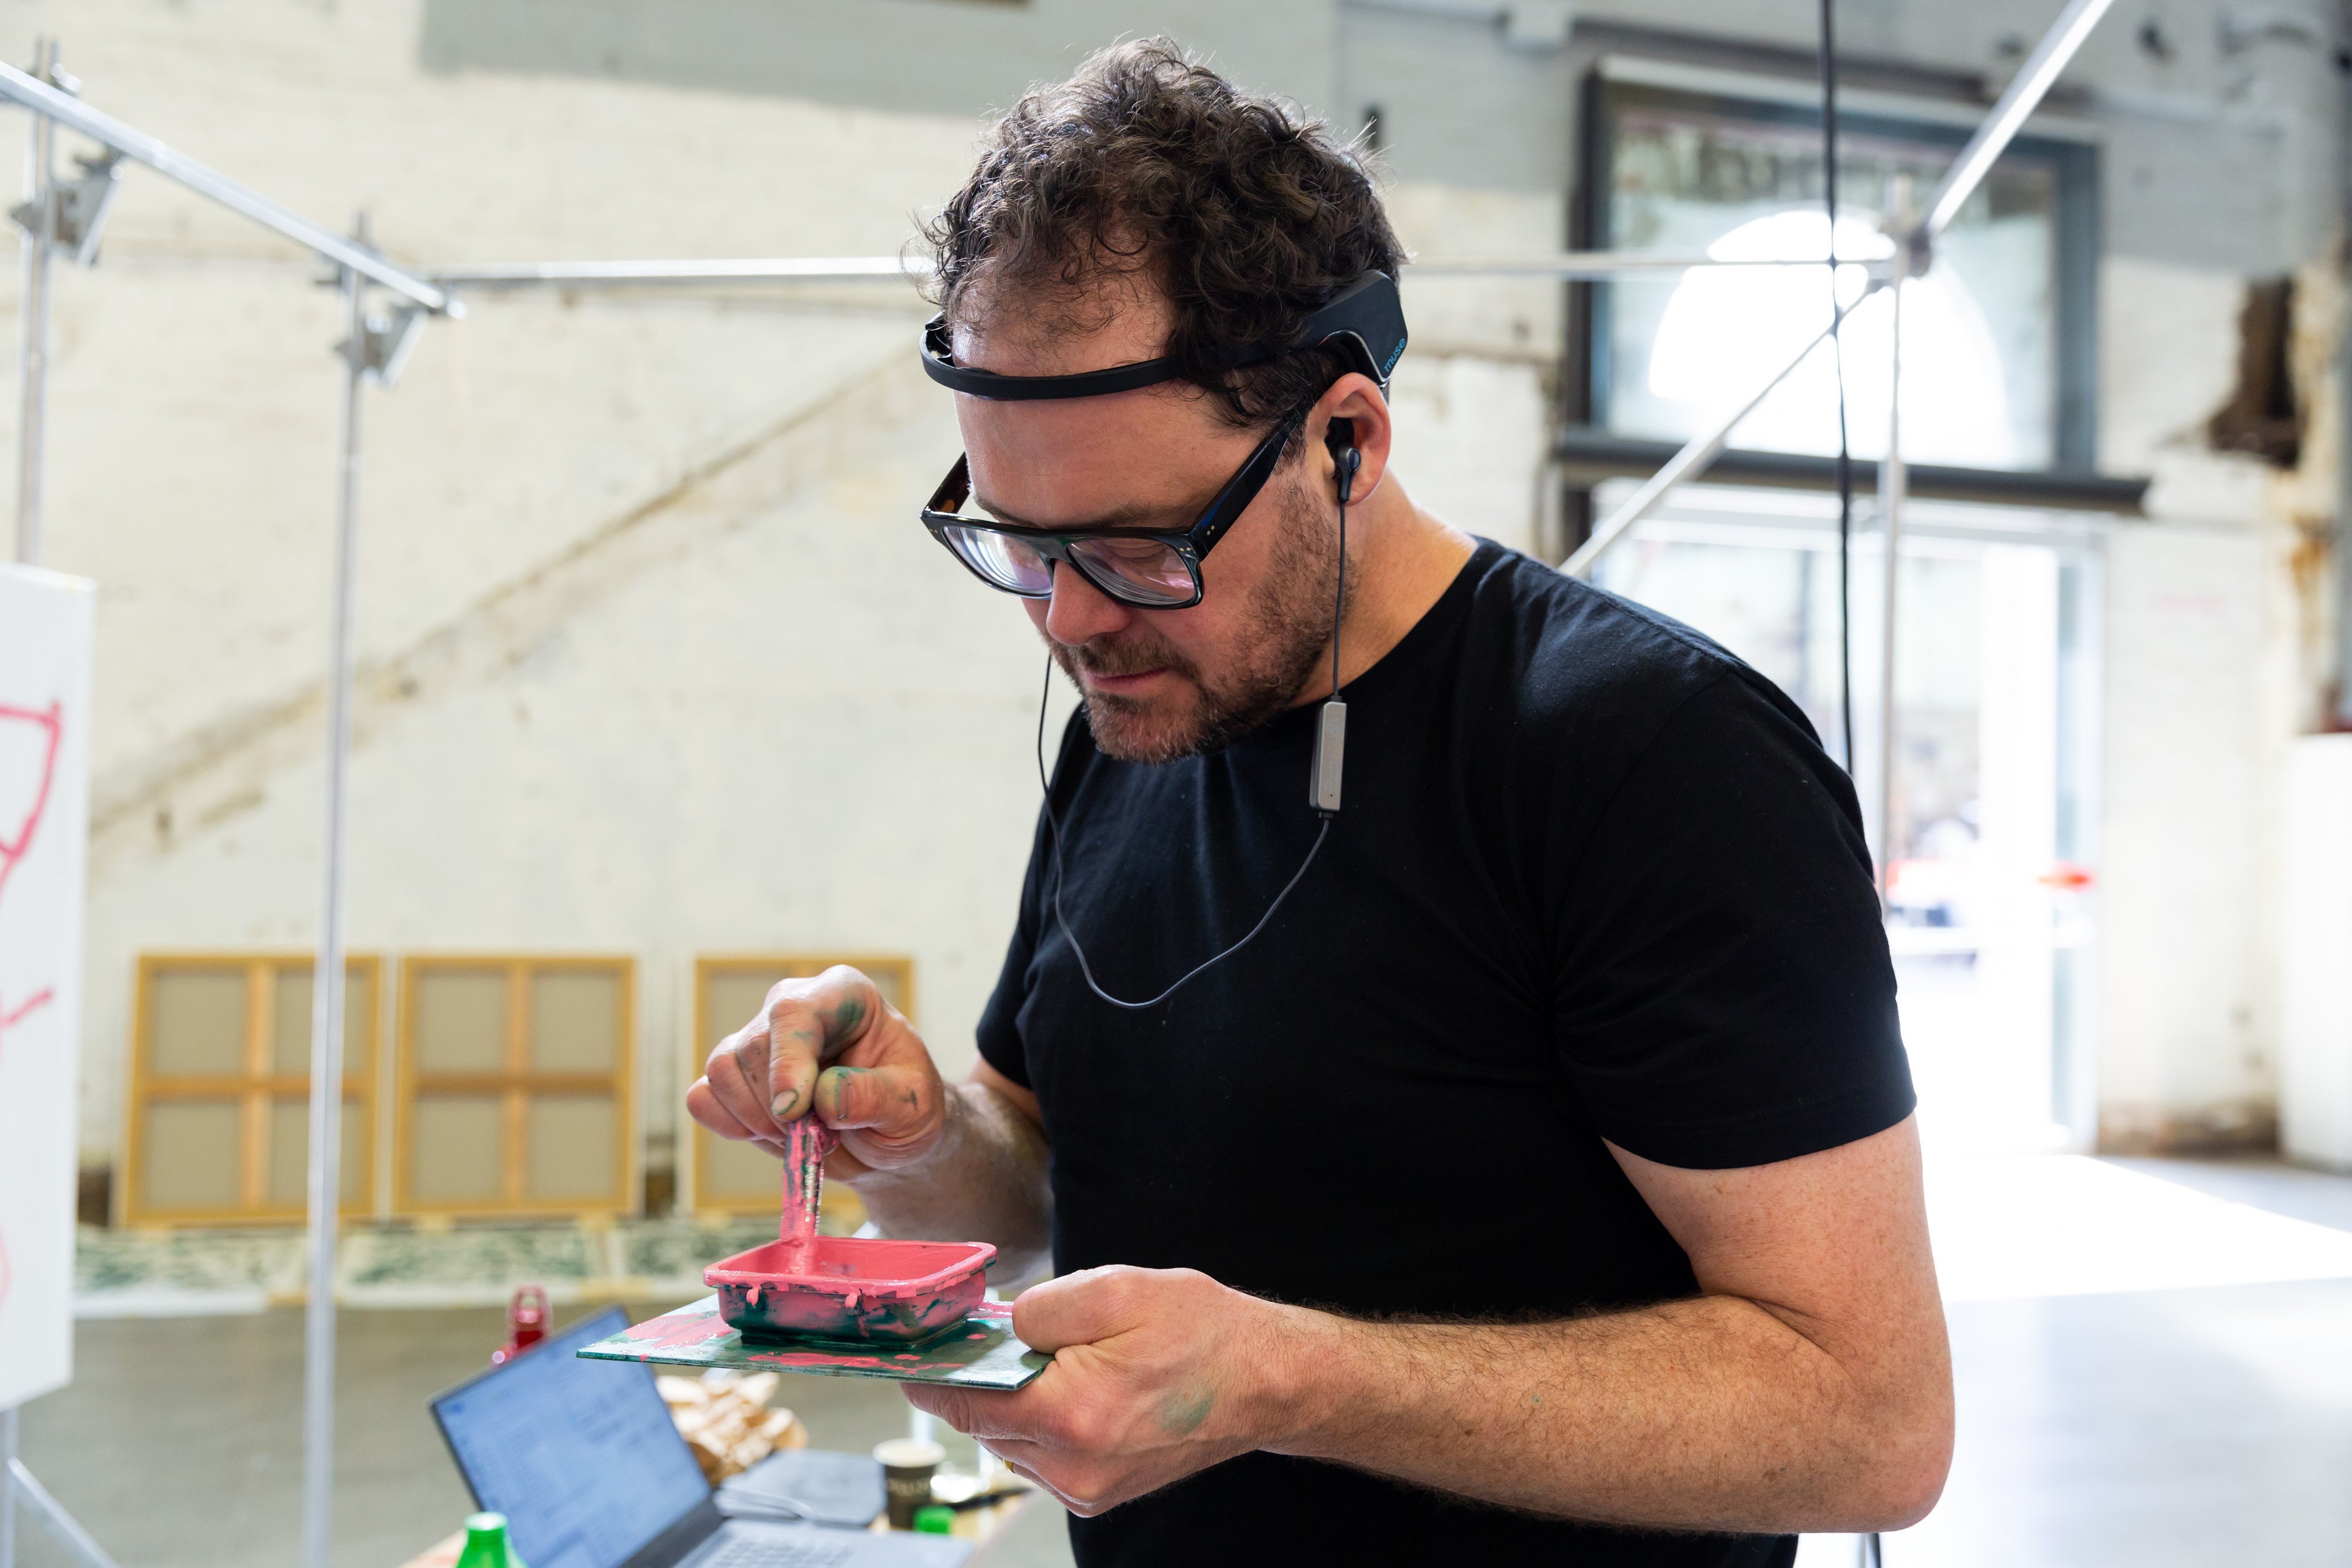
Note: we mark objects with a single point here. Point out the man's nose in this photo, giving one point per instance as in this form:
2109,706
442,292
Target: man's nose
1080,611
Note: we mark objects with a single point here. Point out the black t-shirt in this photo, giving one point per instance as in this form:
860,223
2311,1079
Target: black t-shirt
1594,878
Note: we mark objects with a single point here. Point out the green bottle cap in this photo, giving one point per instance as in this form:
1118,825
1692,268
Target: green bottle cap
486,1545
934,1521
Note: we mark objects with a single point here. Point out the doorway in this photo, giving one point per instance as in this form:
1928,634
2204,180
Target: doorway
1991,907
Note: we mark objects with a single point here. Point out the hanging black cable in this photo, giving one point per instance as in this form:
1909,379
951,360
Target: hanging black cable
1837,353
1874,1550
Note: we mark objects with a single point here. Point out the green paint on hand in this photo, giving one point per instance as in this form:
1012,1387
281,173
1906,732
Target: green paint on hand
840,1078
782,1109
1182,1414
846,1017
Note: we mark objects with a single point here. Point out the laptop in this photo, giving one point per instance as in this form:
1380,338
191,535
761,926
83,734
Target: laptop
583,1460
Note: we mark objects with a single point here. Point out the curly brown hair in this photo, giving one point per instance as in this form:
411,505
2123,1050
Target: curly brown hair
1243,212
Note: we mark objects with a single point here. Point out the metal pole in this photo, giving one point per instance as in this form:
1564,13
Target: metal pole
63,1525
2026,90
8,1488
33,316
1890,505
327,981
75,115
1702,449
594,275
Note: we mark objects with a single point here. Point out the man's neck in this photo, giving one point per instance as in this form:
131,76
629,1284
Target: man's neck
1400,560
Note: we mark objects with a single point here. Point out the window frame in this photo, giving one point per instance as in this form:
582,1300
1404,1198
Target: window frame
2076,235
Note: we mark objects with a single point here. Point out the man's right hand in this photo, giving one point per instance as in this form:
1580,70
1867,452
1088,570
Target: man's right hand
831,1043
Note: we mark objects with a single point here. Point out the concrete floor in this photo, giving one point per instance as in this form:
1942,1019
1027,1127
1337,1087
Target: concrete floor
2153,1430
179,1443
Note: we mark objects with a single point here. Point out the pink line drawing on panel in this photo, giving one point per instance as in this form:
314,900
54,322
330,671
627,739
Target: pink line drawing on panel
53,727
14,849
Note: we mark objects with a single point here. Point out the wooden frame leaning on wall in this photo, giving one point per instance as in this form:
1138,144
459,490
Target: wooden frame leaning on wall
515,1094
220,1045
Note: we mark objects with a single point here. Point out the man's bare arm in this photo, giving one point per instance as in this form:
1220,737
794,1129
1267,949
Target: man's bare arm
962,1163
1808,1387
983,1180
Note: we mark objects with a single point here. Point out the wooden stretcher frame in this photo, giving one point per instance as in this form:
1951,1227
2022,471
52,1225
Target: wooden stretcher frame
701,1197
516,1085
255,1090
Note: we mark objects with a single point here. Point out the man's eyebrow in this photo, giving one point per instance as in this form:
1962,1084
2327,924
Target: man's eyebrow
1136,516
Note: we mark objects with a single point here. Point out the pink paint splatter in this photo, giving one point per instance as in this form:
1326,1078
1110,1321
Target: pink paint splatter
678,1330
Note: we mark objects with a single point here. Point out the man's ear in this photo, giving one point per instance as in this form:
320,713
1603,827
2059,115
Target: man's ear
1354,416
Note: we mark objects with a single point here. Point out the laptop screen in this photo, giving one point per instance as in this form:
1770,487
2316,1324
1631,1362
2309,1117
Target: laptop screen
579,1456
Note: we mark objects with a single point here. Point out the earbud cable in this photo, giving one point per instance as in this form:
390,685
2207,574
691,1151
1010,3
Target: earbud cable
1053,824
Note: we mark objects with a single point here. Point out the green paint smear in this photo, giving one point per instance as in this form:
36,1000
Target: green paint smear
1183,1413
846,1017
840,1078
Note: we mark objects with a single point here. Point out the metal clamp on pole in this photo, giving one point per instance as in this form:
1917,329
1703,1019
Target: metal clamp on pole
384,343
74,212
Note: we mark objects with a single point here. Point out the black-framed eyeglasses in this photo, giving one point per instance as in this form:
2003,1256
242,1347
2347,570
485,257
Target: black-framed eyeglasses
1150,569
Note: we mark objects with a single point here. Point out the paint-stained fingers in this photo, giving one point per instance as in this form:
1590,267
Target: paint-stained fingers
704,1107
739,1086
894,1104
811,1022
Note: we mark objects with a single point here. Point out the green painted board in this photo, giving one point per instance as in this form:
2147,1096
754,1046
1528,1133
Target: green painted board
982,1354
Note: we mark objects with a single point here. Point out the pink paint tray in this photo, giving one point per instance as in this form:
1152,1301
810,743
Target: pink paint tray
851,1289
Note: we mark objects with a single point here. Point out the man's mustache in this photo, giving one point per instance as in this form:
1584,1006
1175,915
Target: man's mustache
1108,656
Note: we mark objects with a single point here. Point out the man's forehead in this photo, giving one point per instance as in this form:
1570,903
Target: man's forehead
1055,329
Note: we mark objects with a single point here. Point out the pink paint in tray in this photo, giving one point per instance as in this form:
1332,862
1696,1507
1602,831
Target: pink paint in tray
843,1288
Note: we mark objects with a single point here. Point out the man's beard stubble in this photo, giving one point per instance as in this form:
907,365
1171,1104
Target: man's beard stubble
1286,633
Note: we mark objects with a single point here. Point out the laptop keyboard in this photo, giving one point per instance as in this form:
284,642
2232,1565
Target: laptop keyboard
738,1552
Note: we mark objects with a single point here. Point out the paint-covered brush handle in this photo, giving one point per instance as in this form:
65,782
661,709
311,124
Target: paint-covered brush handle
806,1143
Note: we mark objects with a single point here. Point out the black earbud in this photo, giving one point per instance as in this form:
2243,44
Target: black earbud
1341,439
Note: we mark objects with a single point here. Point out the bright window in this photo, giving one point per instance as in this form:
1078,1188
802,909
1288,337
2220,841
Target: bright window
1996,333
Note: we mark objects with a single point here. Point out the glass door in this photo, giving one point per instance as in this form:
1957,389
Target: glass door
1991,896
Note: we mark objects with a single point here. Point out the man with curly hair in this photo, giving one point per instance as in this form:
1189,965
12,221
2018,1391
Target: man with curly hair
1508,1159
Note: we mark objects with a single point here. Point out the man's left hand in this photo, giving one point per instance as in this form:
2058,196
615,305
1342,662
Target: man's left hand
1157,1373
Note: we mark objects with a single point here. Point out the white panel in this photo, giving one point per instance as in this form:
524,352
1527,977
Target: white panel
45,643
2315,1058
2182,901
2018,840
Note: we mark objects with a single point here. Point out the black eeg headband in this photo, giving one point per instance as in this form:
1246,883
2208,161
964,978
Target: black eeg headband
1365,321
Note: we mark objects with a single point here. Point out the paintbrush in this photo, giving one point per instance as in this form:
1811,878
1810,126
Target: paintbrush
806,1143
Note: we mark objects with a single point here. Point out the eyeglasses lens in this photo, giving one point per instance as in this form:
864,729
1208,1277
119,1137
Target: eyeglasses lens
1003,560
1144,571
